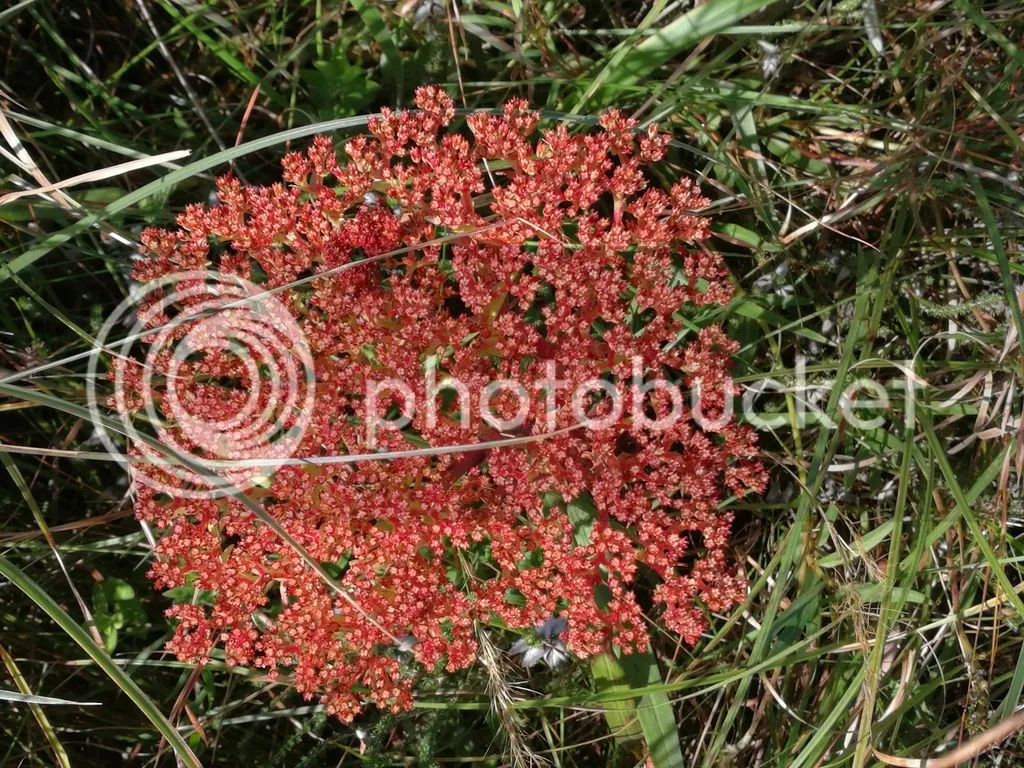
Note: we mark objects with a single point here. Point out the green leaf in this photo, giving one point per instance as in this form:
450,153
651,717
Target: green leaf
610,677
337,87
873,593
582,513
746,307
794,158
390,60
115,606
654,711
735,233
861,546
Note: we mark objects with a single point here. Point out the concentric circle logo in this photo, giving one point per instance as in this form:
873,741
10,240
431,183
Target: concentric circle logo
213,384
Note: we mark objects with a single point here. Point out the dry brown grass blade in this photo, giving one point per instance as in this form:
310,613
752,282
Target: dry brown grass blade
78,525
21,154
245,116
200,731
180,704
965,752
502,697
23,159
97,175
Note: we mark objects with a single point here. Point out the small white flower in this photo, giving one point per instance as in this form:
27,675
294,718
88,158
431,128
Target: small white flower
771,60
428,11
533,655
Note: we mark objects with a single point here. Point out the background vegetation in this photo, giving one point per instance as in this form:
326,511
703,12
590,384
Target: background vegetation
864,158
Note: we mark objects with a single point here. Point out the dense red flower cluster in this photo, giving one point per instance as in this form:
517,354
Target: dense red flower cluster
559,249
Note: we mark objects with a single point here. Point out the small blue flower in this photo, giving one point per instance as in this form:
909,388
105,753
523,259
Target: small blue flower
552,628
547,647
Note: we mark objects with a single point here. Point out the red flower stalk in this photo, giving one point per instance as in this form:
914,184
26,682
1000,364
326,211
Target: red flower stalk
559,248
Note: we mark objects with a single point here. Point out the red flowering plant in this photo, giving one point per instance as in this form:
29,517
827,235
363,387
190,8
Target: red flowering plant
447,262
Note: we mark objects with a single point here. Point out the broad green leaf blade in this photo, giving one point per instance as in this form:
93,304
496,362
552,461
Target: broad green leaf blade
610,677
653,714
657,718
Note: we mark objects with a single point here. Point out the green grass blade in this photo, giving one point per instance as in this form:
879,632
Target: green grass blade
701,22
825,731
171,180
1000,250
391,58
145,704
15,9
976,16
24,696
967,511
888,612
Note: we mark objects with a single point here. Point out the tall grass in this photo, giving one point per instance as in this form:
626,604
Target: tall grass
864,159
